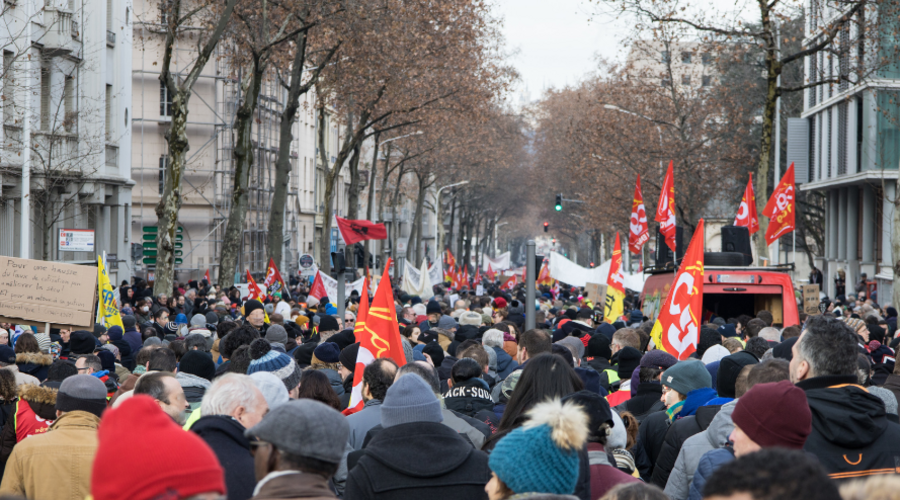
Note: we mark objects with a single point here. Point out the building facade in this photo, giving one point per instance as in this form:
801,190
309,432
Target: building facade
847,146
66,138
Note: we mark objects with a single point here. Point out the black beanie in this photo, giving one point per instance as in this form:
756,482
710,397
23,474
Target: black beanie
252,305
629,359
436,352
785,350
328,324
129,321
198,363
82,342
348,356
597,409
344,338
708,338
432,307
729,369
598,347
303,354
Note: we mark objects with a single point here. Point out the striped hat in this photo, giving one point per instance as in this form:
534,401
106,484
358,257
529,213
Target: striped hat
264,359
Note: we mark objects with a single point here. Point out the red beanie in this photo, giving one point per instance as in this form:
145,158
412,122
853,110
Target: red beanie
160,442
774,414
499,302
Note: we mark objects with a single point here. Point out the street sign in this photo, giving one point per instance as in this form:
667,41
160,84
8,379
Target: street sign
306,261
76,240
401,246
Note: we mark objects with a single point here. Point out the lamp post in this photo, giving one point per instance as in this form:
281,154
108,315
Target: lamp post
437,209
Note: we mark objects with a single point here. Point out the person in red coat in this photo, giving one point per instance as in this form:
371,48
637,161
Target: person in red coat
604,474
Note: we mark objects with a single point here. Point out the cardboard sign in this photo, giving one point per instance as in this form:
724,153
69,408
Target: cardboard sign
479,290
811,299
38,292
595,292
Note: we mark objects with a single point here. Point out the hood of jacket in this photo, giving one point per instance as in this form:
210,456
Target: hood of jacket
847,416
721,426
419,449
41,399
34,358
222,426
467,332
469,397
190,380
76,418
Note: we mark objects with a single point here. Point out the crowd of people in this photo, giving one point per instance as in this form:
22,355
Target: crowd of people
205,395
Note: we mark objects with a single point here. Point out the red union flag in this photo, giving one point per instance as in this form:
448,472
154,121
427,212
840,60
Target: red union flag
746,215
510,283
274,282
639,233
665,210
615,286
253,290
677,327
354,231
780,209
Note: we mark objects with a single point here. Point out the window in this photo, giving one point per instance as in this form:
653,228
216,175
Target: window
666,57
685,79
685,58
165,100
69,104
707,80
109,15
45,98
109,113
9,114
163,163
665,82
706,59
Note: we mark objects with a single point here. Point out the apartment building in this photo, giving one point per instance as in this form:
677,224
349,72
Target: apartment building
689,64
65,148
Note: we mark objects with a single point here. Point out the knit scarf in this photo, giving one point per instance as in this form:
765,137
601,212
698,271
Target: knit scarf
674,410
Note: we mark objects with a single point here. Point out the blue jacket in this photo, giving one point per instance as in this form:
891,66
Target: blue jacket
505,363
709,463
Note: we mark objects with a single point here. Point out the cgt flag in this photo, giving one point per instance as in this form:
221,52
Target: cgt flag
639,233
379,337
665,210
677,327
107,309
317,289
615,286
274,282
746,215
354,231
780,208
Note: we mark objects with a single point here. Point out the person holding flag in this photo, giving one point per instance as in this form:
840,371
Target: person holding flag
677,328
254,312
615,286
275,283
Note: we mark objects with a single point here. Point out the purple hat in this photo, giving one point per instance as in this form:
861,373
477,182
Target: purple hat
659,359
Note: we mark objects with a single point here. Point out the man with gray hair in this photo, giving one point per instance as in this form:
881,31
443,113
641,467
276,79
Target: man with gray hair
231,405
771,334
851,435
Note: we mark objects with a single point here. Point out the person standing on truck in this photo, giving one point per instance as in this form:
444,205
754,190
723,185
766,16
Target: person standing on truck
840,288
815,276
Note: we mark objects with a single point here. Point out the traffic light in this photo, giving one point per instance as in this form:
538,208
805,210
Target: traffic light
558,203
546,226
554,241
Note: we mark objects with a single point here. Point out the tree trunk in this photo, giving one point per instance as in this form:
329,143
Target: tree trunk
773,69
396,229
274,236
415,232
448,242
243,163
353,198
462,231
384,181
370,202
470,221
331,174
478,246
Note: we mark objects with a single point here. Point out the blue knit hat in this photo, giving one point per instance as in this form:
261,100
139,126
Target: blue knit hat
542,455
264,359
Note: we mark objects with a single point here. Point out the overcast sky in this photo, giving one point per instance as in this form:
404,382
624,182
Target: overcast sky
556,40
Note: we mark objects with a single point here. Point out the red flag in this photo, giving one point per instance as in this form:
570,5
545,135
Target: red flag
274,282
677,327
464,277
477,276
665,210
363,310
510,283
253,290
544,276
449,259
746,215
615,286
378,338
639,233
354,231
206,277
780,208
318,287
491,274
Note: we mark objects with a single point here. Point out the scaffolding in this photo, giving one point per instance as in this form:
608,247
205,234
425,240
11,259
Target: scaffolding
225,100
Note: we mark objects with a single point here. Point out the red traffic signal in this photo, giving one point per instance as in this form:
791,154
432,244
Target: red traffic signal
546,226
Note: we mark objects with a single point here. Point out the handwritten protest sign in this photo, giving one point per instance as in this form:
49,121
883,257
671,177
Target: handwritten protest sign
39,292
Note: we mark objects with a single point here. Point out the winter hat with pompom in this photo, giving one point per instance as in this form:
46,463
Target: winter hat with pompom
264,359
542,455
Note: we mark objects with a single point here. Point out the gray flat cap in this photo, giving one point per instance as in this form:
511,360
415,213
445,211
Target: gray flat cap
306,428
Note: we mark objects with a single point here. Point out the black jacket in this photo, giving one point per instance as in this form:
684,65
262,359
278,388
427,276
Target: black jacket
467,332
851,435
678,432
126,353
651,435
418,460
645,402
446,365
226,438
473,399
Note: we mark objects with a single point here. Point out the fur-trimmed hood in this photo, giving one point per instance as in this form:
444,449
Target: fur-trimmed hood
38,394
35,358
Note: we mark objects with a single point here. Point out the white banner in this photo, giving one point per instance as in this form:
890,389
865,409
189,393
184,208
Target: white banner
565,270
500,263
417,281
436,273
331,286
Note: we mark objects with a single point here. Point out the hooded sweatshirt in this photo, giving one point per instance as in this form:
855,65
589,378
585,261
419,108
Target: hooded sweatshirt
694,447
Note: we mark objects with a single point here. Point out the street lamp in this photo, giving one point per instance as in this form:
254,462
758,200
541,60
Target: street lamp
651,120
437,209
382,143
